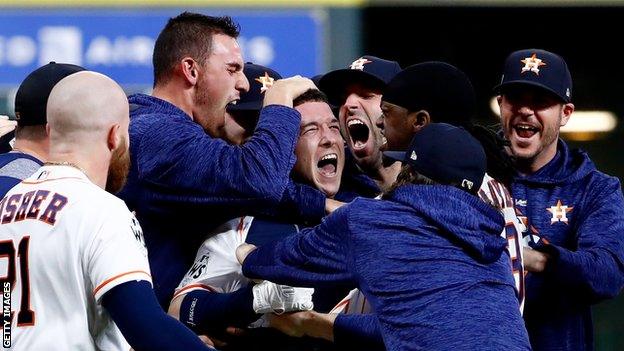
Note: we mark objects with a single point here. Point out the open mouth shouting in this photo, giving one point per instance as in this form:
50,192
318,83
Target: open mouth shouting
328,165
359,136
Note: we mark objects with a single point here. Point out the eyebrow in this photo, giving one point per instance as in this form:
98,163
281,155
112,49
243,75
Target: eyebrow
235,65
308,124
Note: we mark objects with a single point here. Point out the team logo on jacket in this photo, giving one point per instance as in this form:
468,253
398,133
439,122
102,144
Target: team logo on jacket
559,212
532,64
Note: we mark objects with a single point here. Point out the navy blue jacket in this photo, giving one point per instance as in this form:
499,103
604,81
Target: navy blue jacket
429,258
579,211
183,182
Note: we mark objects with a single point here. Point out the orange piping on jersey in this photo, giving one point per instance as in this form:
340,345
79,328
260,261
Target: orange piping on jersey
95,291
240,228
48,180
192,286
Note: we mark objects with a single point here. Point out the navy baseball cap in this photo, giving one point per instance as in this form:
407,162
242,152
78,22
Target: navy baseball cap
437,87
32,95
369,70
260,79
538,68
446,154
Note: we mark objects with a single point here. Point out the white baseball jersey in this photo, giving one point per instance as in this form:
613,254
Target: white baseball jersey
64,243
497,194
217,269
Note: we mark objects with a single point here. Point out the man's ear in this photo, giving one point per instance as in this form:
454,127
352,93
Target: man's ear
566,112
114,137
418,120
189,70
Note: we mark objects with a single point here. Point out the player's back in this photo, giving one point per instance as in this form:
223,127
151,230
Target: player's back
52,250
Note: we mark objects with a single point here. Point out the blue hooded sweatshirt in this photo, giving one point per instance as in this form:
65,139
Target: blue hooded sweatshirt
429,258
576,214
182,182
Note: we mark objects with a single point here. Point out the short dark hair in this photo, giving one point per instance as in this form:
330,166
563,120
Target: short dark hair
188,34
408,175
310,95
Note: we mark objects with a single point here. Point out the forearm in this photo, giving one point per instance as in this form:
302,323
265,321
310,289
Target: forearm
206,311
597,271
139,317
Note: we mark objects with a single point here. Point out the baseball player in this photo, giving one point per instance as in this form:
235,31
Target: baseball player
180,167
414,98
574,213
428,255
76,266
320,161
30,148
357,91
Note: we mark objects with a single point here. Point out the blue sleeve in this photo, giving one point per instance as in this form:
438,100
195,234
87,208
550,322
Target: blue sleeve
141,320
210,312
316,257
596,268
301,203
188,166
358,332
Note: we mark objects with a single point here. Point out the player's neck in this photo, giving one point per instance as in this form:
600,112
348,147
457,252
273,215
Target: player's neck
97,172
31,148
176,95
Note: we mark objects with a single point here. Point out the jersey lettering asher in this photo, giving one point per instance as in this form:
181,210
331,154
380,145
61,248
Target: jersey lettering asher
18,207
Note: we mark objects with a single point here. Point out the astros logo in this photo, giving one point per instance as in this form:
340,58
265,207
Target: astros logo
359,63
559,212
266,82
532,64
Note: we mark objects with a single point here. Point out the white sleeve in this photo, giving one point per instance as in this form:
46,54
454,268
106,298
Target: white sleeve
116,253
216,267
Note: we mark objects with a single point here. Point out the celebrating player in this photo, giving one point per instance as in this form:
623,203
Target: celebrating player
76,263
415,98
184,180
429,255
574,213
320,161
357,90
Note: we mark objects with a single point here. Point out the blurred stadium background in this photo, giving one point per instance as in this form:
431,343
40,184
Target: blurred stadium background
309,37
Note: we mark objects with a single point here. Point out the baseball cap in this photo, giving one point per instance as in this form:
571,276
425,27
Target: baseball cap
32,95
260,78
370,70
437,87
446,154
539,68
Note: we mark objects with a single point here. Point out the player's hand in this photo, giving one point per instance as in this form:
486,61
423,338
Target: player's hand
6,125
534,261
332,205
242,251
284,91
271,297
310,323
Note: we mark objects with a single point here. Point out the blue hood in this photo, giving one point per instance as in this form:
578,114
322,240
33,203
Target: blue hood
566,167
468,221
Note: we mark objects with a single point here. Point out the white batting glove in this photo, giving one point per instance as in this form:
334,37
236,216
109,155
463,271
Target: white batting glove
271,297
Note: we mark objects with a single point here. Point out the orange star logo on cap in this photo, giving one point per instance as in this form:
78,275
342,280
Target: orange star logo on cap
266,82
359,63
532,64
